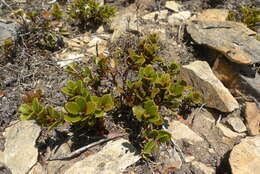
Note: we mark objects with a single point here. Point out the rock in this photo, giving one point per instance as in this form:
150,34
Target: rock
224,71
67,58
212,15
58,165
252,116
202,168
102,46
160,15
8,31
245,157
172,5
237,124
38,169
251,85
177,18
114,158
228,132
170,157
200,75
20,152
232,39
180,131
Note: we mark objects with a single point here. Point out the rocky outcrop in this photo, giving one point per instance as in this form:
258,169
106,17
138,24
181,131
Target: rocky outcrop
20,152
212,15
214,93
245,157
223,37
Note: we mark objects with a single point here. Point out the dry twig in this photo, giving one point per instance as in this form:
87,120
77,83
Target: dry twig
84,148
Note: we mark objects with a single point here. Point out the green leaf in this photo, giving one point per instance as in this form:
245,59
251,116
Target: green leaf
100,114
25,109
150,107
90,108
156,119
67,91
163,136
72,107
72,118
107,102
138,111
149,148
24,117
81,101
36,105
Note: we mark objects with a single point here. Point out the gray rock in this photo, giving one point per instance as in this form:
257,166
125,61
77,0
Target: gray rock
8,31
214,93
20,152
237,124
251,85
228,132
158,15
114,158
232,39
202,168
245,157
180,131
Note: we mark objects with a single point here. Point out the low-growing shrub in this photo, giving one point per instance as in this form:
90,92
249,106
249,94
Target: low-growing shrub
147,85
90,13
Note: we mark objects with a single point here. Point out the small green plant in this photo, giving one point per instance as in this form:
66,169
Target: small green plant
88,12
151,87
57,12
246,15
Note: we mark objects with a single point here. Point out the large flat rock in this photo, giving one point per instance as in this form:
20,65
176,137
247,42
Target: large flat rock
213,92
20,152
8,31
234,40
245,157
114,158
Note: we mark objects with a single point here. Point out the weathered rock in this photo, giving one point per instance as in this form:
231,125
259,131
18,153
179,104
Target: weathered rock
67,58
172,5
114,158
228,132
251,85
158,15
234,40
59,165
20,152
169,157
252,116
38,169
177,18
8,31
245,157
200,75
212,15
180,131
202,168
237,124
224,71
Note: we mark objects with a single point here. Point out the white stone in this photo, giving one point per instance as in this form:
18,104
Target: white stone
114,158
213,92
20,153
177,18
228,132
237,124
245,157
172,5
180,131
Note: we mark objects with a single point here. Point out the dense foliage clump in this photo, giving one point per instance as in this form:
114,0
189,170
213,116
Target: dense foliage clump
135,79
246,15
